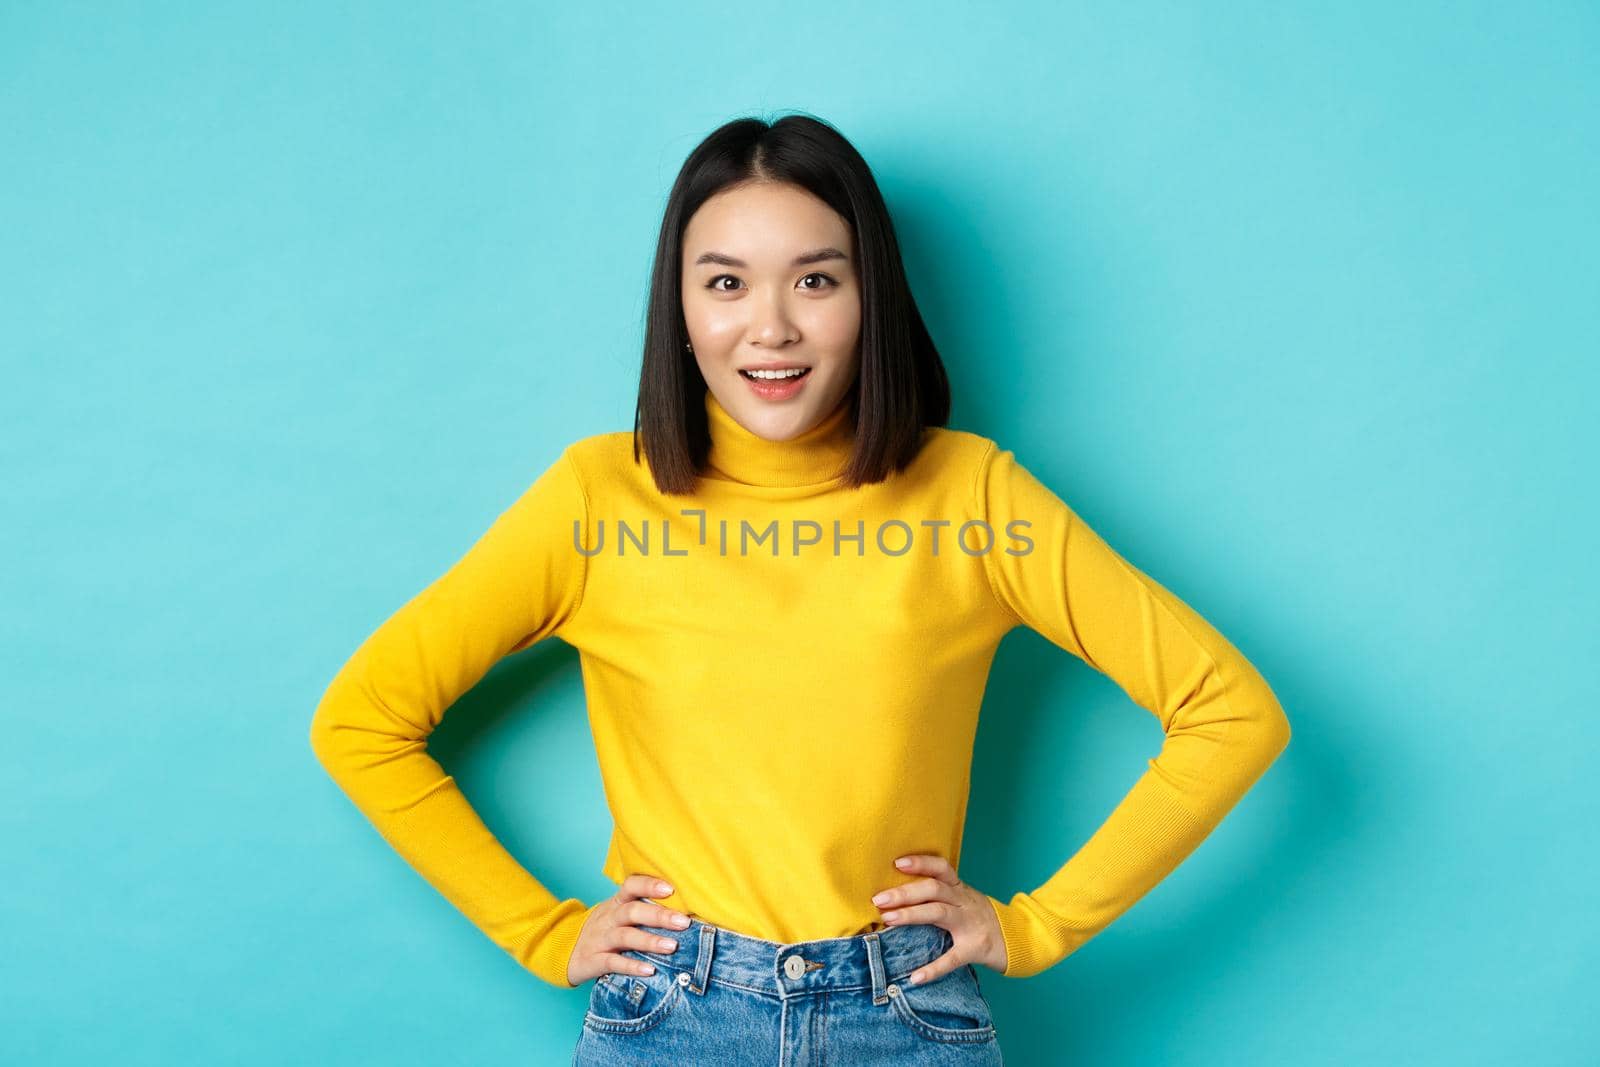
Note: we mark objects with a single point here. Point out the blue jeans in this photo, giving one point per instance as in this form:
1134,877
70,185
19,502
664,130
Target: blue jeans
727,998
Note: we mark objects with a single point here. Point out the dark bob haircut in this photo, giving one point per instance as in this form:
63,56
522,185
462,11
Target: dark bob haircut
901,387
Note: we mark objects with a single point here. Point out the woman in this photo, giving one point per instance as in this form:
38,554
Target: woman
786,587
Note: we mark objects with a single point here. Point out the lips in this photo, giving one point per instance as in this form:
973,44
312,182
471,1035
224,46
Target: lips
745,372
776,388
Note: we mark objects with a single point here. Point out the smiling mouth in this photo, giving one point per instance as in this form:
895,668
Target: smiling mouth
784,376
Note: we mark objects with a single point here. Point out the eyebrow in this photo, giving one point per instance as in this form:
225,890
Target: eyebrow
817,256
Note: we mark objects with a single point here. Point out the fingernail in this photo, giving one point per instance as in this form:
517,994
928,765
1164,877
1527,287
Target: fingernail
881,898
649,969
916,979
890,916
663,888
667,944
903,861
680,920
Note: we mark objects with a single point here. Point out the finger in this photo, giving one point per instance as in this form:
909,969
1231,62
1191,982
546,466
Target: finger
936,912
617,963
642,940
649,913
912,893
937,969
932,866
665,916
637,886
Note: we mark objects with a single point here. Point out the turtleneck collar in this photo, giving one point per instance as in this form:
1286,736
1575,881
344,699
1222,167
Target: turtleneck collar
816,456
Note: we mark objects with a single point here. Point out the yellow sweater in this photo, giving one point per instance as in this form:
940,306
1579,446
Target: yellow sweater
783,679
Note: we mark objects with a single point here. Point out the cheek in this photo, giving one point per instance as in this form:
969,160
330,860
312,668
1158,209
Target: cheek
836,324
713,328
839,335
720,338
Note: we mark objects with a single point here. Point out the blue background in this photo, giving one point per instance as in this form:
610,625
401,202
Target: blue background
1298,308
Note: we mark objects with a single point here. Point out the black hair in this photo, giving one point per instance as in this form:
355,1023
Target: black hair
901,386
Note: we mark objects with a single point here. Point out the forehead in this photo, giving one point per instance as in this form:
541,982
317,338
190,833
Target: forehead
763,222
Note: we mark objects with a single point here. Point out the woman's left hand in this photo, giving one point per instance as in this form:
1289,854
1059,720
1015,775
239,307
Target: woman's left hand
942,899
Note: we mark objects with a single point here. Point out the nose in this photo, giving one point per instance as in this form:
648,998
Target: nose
772,327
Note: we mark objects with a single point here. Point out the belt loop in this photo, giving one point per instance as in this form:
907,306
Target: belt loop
702,965
876,968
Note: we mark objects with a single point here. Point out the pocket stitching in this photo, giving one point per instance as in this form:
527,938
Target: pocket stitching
944,1034
643,1022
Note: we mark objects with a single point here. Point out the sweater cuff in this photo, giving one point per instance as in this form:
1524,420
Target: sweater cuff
1034,939
551,955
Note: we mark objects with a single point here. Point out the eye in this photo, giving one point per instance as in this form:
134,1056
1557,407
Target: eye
712,284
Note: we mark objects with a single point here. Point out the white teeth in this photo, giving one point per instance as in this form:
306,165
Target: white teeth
776,375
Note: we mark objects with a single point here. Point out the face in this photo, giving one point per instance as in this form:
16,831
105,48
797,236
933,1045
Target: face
769,281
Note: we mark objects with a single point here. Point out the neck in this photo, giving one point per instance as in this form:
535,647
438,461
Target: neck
816,456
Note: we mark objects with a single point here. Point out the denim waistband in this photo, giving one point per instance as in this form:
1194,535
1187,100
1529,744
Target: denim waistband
870,961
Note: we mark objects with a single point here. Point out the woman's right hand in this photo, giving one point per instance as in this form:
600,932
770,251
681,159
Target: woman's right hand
613,926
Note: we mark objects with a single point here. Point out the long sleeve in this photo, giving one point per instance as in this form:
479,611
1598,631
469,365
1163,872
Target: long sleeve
517,584
1222,722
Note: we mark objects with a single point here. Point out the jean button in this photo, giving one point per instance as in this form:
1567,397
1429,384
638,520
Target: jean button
794,966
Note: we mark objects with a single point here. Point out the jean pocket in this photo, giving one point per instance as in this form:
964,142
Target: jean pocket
633,1003
950,1009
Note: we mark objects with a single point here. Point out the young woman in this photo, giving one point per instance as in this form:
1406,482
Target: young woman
786,586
